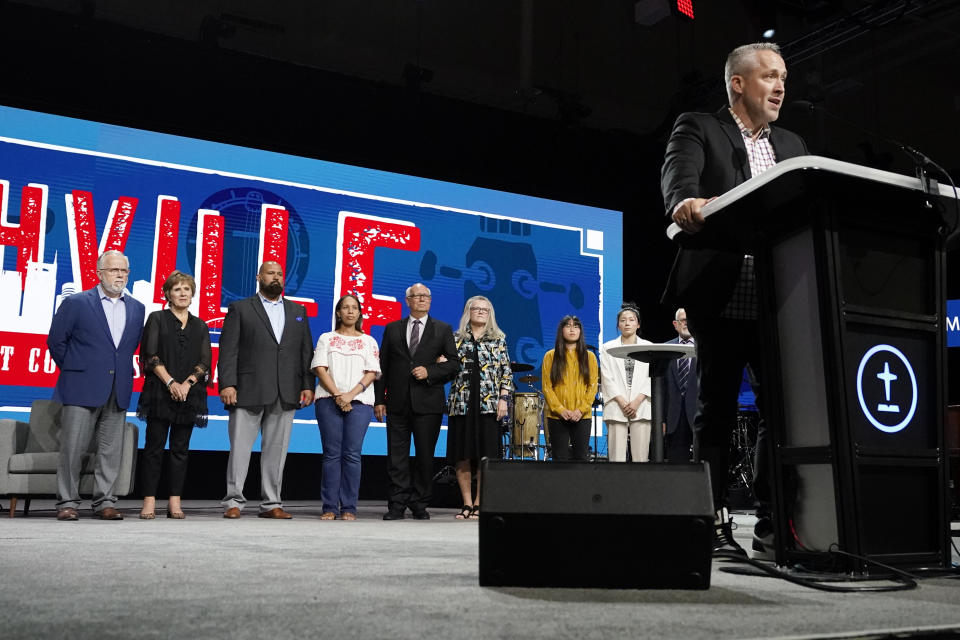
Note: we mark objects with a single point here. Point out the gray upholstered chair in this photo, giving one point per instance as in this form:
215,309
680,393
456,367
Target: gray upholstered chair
29,451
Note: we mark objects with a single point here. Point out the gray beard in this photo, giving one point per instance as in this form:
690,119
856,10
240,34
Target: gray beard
112,288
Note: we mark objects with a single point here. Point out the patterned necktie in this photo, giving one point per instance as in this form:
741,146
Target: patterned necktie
683,371
415,337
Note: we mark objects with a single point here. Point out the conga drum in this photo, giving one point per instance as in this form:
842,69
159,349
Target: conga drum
525,435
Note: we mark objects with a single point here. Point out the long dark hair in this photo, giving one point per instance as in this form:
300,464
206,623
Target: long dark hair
560,353
358,326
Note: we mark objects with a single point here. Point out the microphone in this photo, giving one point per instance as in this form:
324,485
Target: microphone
920,160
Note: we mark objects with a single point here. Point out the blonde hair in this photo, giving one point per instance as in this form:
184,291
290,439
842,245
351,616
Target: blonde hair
491,331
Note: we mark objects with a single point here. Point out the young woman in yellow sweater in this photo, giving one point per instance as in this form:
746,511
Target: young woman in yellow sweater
569,374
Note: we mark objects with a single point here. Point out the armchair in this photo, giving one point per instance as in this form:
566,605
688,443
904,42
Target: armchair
29,452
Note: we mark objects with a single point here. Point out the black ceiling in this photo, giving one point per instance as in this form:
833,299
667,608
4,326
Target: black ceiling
564,99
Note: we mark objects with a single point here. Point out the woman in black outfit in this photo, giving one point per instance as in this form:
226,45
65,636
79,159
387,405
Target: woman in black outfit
478,398
175,351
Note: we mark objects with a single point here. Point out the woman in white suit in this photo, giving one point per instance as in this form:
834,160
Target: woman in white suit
626,392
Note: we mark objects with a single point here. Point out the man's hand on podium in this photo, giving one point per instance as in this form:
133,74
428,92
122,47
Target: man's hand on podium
689,215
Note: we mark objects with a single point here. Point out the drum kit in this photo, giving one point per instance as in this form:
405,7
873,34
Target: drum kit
525,422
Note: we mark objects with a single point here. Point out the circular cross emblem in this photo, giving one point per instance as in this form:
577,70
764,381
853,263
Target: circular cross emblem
884,380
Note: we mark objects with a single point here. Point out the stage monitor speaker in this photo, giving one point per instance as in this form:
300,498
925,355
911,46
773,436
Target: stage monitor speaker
603,525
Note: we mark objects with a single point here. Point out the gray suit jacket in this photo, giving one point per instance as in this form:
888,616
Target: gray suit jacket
256,363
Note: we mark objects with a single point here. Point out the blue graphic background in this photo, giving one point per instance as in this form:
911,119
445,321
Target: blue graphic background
535,269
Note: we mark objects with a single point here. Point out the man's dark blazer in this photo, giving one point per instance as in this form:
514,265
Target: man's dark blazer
706,157
399,390
677,404
256,363
81,344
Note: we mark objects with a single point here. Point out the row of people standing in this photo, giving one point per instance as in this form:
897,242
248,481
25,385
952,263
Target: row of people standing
262,389
266,368
417,359
569,388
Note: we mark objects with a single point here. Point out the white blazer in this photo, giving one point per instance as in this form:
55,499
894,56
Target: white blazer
613,375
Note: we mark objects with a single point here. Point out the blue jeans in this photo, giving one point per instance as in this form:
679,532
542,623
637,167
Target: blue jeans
342,437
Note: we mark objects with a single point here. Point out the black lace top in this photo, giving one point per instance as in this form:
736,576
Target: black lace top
182,351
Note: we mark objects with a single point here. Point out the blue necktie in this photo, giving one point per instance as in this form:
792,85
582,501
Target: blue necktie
683,371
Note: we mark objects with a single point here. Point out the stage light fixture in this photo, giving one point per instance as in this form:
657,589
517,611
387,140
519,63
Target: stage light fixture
769,33
685,8
647,13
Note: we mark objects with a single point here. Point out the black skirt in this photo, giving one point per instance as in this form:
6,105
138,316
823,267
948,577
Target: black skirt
474,435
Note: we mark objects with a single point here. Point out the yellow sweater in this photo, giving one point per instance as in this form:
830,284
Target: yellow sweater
571,393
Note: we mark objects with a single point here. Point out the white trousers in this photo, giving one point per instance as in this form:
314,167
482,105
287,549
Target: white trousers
639,440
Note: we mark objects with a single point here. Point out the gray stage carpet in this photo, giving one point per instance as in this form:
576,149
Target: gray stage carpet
206,577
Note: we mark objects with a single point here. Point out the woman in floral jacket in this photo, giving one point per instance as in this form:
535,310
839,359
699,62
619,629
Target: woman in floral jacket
478,397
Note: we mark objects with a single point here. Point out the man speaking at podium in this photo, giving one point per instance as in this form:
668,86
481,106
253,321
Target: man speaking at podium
707,155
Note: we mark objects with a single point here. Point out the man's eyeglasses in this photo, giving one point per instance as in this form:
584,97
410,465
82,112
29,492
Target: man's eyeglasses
480,309
420,296
116,271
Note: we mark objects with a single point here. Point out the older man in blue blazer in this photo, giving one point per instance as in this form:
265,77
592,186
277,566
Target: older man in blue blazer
92,338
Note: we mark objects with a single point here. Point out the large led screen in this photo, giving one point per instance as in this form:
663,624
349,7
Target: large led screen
71,189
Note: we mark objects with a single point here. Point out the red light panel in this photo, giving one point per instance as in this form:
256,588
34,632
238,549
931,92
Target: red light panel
685,7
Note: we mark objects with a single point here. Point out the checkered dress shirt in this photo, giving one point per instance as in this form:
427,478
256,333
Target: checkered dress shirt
743,301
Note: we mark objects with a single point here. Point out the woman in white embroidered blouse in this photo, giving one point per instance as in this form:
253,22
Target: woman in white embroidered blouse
346,362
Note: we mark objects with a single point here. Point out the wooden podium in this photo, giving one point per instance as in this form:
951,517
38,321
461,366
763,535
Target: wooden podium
851,272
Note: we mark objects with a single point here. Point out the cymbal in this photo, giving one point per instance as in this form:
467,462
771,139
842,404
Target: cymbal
520,367
529,379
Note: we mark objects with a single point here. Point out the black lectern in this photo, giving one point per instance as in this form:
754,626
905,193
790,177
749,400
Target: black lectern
851,267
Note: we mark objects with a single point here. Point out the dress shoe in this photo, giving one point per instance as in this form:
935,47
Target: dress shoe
422,514
108,513
275,514
328,515
67,513
393,514
348,515
233,513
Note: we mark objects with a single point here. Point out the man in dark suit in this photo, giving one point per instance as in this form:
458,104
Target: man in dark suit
264,376
410,396
92,339
682,386
707,155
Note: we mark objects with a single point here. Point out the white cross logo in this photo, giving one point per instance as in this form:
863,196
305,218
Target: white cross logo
887,378
906,387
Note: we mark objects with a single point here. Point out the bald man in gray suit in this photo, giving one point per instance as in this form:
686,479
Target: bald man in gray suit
264,375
